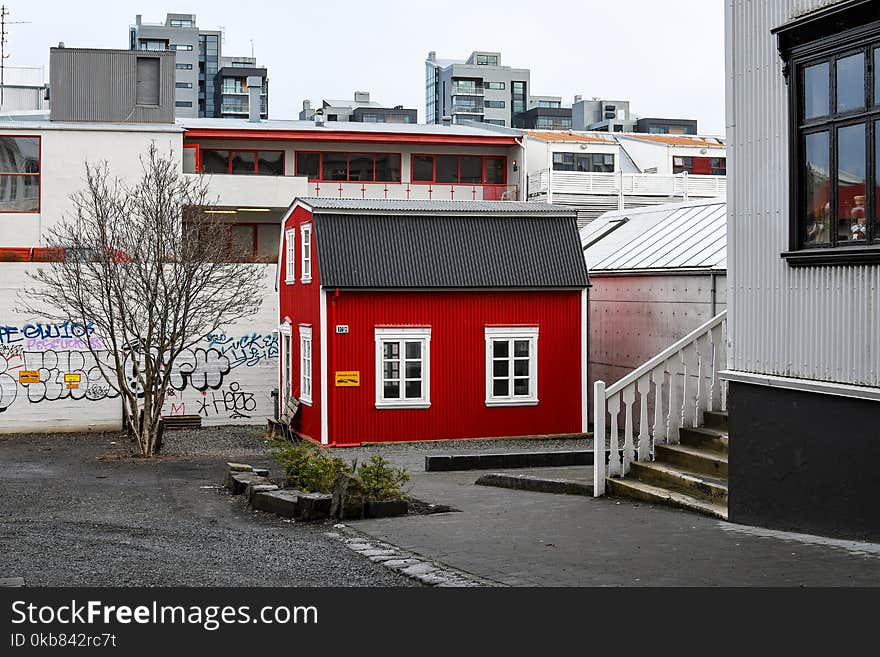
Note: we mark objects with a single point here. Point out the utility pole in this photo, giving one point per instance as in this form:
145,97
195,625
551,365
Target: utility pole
4,12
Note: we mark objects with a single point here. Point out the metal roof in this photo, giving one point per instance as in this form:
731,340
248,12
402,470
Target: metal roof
448,251
336,126
677,236
372,206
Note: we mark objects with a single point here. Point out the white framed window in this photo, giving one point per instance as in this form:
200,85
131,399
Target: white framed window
403,367
305,364
306,248
290,256
511,365
286,360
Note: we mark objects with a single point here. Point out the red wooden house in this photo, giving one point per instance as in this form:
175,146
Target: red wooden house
423,320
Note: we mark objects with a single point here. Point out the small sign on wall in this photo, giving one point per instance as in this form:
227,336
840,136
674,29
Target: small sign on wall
73,377
348,379
342,328
28,376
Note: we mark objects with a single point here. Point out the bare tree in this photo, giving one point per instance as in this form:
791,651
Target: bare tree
152,270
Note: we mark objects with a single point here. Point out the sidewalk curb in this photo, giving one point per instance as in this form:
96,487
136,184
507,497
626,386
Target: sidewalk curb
537,484
412,565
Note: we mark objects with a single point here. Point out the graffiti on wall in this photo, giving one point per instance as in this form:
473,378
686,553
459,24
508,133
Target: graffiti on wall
202,378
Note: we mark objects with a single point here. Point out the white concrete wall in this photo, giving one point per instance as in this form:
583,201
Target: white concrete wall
539,153
234,369
62,164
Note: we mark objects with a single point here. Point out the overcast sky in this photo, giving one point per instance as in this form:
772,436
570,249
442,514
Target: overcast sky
665,56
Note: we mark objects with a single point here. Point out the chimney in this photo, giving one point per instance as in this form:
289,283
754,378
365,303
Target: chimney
60,44
255,89
578,98
447,120
362,96
307,105
432,56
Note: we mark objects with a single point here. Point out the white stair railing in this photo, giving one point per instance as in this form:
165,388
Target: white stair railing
684,380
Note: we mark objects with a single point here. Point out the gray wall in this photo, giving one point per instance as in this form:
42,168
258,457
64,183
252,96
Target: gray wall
634,318
814,322
101,86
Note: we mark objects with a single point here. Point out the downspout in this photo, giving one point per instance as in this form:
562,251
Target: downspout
524,176
713,277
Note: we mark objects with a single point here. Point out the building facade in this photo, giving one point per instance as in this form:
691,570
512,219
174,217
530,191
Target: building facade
360,110
459,339
199,83
479,88
803,117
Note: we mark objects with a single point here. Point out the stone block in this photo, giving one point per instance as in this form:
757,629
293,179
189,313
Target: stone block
284,503
237,482
253,488
262,472
386,509
348,498
314,506
238,467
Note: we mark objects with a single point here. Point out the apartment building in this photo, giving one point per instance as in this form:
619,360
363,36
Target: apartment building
359,109
607,115
479,88
202,74
544,113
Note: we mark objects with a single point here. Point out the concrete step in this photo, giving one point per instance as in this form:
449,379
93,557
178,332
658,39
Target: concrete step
670,477
693,459
649,493
708,438
715,419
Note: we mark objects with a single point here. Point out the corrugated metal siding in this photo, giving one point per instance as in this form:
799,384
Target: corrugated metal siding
101,85
442,251
300,303
813,322
458,391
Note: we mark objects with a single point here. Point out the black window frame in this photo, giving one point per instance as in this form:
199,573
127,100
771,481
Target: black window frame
824,36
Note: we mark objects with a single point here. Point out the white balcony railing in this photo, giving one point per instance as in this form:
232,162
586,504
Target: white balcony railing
546,183
684,381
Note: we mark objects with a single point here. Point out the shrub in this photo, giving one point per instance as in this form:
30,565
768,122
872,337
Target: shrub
306,467
382,481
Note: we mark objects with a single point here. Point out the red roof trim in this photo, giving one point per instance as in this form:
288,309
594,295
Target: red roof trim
344,136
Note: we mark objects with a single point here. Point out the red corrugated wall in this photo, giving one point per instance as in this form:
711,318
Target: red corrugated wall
458,394
300,303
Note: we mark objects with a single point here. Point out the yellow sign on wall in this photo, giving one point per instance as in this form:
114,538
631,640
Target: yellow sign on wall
348,379
28,376
74,377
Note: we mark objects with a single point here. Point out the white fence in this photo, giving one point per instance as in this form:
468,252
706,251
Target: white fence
546,183
682,382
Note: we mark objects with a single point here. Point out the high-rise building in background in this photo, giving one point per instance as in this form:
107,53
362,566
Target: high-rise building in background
477,89
206,83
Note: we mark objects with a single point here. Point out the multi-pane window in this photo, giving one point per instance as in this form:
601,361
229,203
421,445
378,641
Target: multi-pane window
305,363
706,166
553,122
306,251
290,256
459,169
496,86
348,167
835,149
584,162
518,96
19,174
487,60
403,365
241,162
183,67
495,104
511,365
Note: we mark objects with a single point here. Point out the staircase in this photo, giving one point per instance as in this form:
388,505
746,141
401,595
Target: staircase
674,418
691,475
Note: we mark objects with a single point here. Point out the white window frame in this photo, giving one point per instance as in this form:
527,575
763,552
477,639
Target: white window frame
286,345
306,253
305,357
511,333
401,335
290,256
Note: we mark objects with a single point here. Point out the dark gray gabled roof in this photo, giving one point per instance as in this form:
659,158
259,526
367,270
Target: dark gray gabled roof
485,250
